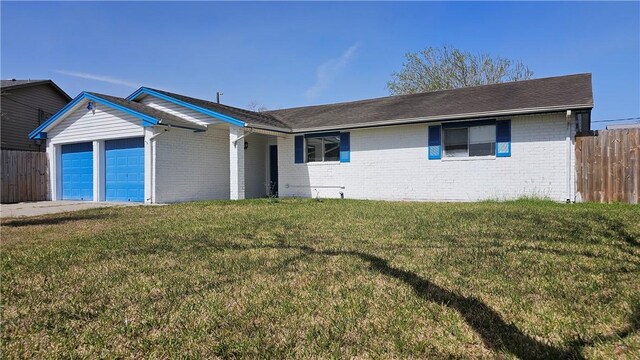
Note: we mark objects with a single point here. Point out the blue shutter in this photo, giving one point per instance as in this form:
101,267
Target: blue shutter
345,147
299,149
435,148
503,138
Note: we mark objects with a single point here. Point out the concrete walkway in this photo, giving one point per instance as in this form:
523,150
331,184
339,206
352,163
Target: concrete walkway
52,207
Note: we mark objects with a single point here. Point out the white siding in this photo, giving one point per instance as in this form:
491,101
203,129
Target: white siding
255,166
392,163
107,123
192,166
178,110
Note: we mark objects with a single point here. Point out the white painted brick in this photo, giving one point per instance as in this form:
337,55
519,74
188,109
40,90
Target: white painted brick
391,163
192,166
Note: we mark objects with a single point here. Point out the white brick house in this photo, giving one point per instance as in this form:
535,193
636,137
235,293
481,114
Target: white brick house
499,141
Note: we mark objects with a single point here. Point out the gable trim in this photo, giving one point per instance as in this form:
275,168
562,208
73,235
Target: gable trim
39,132
220,116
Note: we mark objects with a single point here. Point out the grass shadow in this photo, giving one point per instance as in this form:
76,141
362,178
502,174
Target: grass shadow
20,222
495,332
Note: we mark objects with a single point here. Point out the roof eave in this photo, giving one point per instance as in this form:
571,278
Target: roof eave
435,118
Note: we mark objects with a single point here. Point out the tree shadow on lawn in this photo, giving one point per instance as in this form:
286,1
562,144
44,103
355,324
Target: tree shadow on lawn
20,222
496,333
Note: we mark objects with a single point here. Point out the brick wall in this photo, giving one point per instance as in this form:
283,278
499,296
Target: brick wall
192,166
392,163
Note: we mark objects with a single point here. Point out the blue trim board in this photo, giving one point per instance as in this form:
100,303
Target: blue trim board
38,133
434,142
215,114
503,136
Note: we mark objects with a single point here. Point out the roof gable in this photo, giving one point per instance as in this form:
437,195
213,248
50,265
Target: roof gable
146,114
229,114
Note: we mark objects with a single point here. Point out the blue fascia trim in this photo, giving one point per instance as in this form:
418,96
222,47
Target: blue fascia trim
215,114
38,133
40,136
135,94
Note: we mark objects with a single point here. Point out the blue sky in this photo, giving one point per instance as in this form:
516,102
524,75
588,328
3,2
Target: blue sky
294,54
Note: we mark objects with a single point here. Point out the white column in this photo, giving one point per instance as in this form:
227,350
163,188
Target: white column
98,171
148,168
55,159
236,163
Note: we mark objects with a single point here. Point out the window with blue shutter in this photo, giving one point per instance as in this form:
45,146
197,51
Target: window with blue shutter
299,149
435,148
503,138
345,147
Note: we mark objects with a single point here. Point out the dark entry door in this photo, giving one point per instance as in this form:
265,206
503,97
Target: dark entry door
273,170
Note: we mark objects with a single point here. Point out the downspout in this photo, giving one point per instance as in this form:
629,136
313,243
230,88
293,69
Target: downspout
152,143
235,142
568,166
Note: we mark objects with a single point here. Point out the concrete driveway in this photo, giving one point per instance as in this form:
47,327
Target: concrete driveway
52,207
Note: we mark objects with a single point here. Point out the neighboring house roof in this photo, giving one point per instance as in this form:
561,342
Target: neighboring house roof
247,117
520,97
147,114
17,84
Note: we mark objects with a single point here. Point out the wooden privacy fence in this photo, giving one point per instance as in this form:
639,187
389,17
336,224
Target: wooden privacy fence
608,166
25,176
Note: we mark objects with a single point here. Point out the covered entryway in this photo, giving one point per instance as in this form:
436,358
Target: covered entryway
124,170
77,171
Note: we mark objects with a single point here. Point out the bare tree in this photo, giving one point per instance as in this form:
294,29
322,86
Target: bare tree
450,68
253,105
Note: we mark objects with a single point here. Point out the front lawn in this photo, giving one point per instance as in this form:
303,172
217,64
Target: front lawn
336,278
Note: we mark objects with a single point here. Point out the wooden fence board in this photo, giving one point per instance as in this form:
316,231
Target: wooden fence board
608,166
24,176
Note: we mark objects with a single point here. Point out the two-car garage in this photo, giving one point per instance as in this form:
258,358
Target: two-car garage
123,170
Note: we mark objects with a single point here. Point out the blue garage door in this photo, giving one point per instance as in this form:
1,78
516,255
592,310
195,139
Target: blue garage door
124,169
77,171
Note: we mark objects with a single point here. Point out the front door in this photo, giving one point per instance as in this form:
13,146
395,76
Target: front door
273,170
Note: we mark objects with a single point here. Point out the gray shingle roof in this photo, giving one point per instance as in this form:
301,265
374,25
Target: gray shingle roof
163,117
252,118
560,93
15,84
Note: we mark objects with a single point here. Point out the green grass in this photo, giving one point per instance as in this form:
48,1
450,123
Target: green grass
331,278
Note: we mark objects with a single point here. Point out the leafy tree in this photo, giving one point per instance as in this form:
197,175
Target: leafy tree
450,68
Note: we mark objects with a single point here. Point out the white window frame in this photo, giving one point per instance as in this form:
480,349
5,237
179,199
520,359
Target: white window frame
467,157
322,150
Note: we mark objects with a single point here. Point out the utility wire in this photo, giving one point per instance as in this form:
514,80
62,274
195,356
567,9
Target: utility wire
610,120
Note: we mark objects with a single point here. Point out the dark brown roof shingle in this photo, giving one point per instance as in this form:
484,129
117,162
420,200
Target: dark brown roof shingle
562,92
249,117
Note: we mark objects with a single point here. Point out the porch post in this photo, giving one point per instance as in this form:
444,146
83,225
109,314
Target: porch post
148,162
236,163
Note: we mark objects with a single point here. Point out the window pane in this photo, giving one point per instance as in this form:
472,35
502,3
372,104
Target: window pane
482,140
455,142
331,148
314,149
